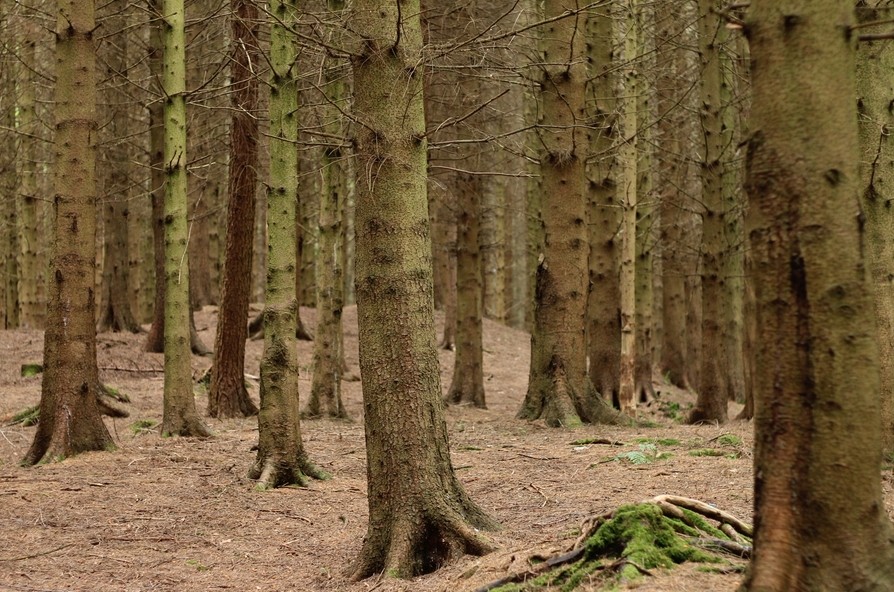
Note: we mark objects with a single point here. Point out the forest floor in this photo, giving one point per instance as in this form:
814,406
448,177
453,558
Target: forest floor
180,514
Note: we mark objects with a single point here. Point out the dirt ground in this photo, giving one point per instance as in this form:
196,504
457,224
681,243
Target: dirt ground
180,514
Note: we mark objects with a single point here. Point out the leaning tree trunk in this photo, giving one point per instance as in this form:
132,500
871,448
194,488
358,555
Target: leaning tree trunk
559,390
70,416
875,88
281,458
419,514
179,416
228,396
820,520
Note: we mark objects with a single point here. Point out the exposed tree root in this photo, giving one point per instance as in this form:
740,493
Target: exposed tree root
271,473
106,399
659,532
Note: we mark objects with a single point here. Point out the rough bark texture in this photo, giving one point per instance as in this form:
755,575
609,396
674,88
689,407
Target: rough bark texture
281,458
628,178
467,385
329,359
9,309
712,392
179,416
820,521
31,276
419,514
70,417
227,396
875,92
603,320
559,390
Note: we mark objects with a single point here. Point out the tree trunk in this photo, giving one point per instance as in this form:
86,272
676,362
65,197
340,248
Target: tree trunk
419,514
281,457
493,236
228,396
627,157
329,364
467,385
559,390
70,418
9,238
603,320
711,405
875,91
820,521
179,416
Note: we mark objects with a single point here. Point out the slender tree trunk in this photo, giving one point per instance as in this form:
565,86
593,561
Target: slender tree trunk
228,396
9,238
603,320
329,364
875,91
419,514
711,405
493,239
31,277
281,457
70,418
179,417
627,157
820,520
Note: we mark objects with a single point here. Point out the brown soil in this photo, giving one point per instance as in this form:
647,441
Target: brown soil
180,514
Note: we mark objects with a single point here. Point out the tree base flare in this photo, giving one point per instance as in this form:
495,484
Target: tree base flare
418,544
271,473
627,543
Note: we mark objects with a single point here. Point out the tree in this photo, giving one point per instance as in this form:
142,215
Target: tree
820,521
419,514
281,458
227,396
875,89
70,416
329,359
180,417
559,390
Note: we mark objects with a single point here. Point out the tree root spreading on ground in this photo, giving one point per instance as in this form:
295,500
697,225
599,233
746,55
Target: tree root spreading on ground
628,542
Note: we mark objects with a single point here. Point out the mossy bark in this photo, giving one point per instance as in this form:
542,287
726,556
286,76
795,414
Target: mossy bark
179,416
281,458
820,521
71,421
875,93
227,396
419,514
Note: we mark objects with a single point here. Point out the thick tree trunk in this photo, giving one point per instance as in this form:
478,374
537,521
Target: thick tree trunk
228,396
820,521
70,418
419,514
875,92
179,416
559,390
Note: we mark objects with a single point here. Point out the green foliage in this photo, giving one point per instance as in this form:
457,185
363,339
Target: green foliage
646,454
706,452
29,370
197,564
26,418
729,440
658,441
142,426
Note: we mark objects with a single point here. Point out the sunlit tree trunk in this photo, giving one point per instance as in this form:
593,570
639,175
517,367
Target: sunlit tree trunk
820,520
70,420
179,416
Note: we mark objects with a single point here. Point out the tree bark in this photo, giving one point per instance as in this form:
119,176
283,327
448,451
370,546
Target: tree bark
419,514
875,91
70,417
228,396
179,414
820,521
